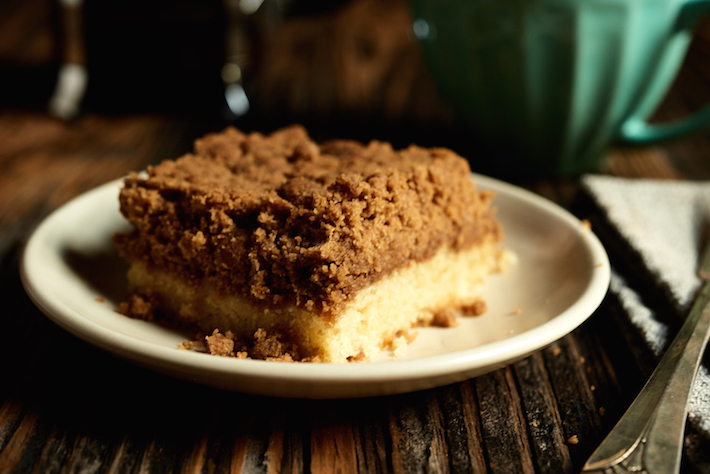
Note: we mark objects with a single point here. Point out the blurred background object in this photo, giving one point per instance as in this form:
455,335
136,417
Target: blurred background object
171,66
357,59
29,52
72,77
292,59
158,55
552,84
345,68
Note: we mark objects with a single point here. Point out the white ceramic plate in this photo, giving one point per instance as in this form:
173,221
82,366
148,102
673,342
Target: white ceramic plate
73,274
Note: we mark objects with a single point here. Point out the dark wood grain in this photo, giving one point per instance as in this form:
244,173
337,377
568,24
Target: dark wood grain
105,415
417,433
542,415
462,424
66,406
578,410
504,430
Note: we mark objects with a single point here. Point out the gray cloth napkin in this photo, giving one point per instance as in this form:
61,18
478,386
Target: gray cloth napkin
667,223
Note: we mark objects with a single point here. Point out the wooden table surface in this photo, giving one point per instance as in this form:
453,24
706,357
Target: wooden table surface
66,406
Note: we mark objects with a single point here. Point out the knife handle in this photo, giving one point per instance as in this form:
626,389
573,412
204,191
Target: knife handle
72,78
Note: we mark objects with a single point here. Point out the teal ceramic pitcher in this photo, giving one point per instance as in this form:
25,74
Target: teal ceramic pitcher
552,83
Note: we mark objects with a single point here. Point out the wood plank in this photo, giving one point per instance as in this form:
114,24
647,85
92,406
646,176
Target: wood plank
462,427
577,407
417,433
10,417
542,416
333,442
601,372
373,445
19,442
73,159
88,454
503,424
347,434
53,455
239,454
124,457
158,456
648,162
285,450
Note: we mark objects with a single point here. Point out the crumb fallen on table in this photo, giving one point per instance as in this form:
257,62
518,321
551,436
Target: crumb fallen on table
556,351
574,439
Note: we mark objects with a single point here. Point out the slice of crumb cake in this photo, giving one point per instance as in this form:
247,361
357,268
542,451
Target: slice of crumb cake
317,252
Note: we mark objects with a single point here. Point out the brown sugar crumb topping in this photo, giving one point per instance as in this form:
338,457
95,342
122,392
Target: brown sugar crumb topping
270,347
445,318
262,346
221,344
476,308
190,345
139,306
280,220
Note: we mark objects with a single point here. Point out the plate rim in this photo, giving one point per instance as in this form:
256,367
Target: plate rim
440,367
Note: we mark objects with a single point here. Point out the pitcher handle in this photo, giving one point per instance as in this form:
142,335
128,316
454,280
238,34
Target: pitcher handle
636,130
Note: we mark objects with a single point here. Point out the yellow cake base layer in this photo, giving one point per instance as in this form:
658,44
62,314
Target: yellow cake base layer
410,296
